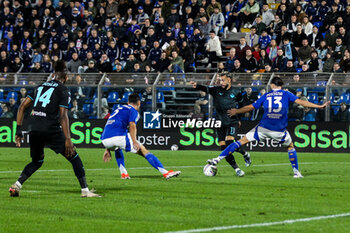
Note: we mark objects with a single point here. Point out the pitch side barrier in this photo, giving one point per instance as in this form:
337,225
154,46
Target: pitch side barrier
188,134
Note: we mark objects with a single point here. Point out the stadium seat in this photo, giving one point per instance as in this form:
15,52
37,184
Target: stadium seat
299,70
125,97
92,99
318,24
324,35
88,109
313,98
311,115
115,106
1,95
112,97
10,95
345,97
160,99
335,109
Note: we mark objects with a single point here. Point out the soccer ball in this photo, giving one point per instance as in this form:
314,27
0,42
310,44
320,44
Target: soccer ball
174,147
210,170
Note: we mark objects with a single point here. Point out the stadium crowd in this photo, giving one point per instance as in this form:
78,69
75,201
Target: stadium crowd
132,36
173,36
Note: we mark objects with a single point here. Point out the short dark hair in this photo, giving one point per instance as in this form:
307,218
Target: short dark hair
277,81
134,98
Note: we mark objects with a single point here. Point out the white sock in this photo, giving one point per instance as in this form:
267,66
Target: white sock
122,170
85,190
162,170
18,184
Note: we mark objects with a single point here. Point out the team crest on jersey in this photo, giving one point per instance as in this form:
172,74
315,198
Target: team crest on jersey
232,95
152,120
220,93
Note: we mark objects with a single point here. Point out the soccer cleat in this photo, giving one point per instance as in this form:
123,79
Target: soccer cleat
125,176
171,174
247,159
14,190
239,172
297,174
213,161
89,193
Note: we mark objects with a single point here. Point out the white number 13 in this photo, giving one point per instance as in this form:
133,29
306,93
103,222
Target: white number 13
275,100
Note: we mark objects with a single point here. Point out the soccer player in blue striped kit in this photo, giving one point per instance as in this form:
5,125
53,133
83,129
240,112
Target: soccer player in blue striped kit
116,137
273,123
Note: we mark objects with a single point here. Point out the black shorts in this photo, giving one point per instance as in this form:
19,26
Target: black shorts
227,130
53,140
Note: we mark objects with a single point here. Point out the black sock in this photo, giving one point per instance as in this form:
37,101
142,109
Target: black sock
231,160
241,151
79,171
29,170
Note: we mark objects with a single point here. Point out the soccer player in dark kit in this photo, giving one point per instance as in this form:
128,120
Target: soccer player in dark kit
225,98
49,126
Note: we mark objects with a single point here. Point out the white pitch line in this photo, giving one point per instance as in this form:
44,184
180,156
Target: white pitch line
266,224
145,168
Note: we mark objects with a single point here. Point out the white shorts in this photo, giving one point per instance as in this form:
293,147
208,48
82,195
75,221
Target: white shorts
120,142
260,134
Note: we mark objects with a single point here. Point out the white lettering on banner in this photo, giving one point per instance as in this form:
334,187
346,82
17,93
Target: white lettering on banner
191,123
154,140
268,143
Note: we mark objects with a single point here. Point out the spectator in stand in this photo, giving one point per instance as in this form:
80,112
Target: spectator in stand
290,67
307,26
298,37
233,15
337,68
331,37
241,48
322,50
315,64
304,53
343,115
344,36
213,48
280,62
104,65
74,63
249,12
249,63
154,53
18,66
187,54
76,112
272,50
315,37
345,61
252,38
143,61
13,107
231,60
264,60
237,68
248,98
216,20
275,27
6,112
176,63
289,50
163,63
328,63
339,50
91,67
201,105
264,40
129,66
37,68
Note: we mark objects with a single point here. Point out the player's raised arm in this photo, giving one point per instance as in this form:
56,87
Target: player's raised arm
65,128
20,115
308,104
234,111
133,131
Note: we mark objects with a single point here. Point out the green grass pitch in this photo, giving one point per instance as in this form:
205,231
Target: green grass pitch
50,200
